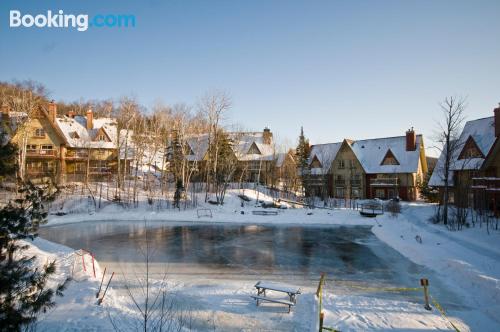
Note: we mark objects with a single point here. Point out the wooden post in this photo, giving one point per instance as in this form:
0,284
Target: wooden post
425,284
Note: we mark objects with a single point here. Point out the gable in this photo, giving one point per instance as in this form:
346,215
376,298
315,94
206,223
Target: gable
102,136
389,159
315,163
470,150
253,149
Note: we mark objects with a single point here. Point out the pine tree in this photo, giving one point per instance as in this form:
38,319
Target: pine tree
7,159
23,285
302,154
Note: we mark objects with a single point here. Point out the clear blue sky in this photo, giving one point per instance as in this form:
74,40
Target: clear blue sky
356,69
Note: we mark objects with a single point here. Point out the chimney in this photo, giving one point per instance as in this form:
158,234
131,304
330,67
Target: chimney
71,114
411,140
52,111
90,119
496,111
267,136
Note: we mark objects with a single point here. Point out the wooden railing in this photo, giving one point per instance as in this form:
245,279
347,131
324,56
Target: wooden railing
41,153
384,182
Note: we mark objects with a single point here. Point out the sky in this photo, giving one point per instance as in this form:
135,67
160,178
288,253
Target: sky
340,69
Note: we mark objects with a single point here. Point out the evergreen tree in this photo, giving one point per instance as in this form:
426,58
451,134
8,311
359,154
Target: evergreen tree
23,285
302,154
7,159
429,194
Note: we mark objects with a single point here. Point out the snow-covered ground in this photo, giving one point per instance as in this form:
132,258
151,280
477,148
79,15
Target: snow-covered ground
466,262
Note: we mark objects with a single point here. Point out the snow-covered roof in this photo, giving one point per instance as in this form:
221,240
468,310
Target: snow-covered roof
482,131
77,135
371,153
325,153
242,144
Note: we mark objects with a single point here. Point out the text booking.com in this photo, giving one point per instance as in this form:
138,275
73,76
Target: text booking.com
80,22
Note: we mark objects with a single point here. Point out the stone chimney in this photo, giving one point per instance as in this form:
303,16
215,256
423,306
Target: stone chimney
52,111
411,140
90,119
496,111
267,136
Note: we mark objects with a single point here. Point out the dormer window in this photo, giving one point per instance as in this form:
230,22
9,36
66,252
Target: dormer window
101,138
389,159
74,135
253,149
315,163
470,150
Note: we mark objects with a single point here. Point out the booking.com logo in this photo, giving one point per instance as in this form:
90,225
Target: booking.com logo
80,22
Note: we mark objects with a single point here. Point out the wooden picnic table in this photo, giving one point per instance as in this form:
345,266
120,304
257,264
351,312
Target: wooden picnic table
292,291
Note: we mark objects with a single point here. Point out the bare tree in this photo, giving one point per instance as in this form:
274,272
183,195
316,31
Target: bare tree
448,138
214,107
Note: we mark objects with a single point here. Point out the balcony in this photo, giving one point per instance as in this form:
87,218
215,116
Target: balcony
486,183
77,154
384,182
41,153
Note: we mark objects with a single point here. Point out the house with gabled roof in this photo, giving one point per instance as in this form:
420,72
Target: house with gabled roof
382,167
254,152
475,165
65,148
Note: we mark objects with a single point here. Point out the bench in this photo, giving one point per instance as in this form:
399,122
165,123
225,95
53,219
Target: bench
269,299
265,213
204,213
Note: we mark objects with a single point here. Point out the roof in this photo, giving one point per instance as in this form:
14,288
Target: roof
243,141
482,131
77,135
326,154
371,153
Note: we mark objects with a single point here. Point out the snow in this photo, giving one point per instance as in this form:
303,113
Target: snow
466,262
326,154
371,153
242,143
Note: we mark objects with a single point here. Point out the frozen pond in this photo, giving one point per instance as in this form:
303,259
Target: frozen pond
243,252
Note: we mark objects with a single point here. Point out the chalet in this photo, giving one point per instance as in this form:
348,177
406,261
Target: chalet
254,152
475,164
64,149
372,168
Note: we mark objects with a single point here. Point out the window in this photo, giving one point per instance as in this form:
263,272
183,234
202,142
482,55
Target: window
47,149
339,192
31,147
39,132
79,167
101,137
341,164
470,150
